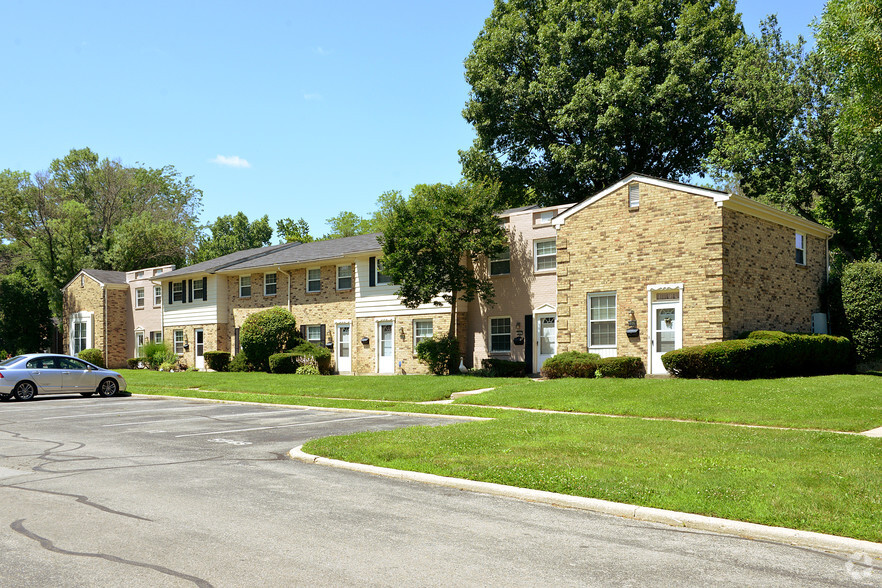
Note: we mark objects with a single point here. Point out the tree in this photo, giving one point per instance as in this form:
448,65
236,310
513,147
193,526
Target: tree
267,332
25,320
432,240
568,96
74,214
294,231
349,224
232,233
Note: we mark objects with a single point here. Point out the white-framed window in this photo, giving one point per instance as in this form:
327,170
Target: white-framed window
156,336
139,343
80,331
178,292
139,297
500,335
179,341
800,249
633,195
382,279
244,286
139,275
602,319
543,218
500,264
314,334
422,330
545,254
344,277
198,293
269,284
157,295
156,272
314,279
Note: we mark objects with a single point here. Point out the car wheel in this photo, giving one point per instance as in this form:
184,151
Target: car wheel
86,394
5,397
25,391
108,388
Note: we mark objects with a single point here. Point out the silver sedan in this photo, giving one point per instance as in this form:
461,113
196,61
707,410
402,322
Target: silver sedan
23,376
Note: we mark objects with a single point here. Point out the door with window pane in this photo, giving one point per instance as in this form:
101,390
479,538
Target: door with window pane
666,328
200,349
546,338
344,353
386,351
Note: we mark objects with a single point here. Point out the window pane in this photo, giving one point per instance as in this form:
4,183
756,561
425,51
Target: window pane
603,308
314,333
381,277
603,333
314,280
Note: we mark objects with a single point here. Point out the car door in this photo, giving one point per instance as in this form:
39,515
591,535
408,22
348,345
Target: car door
76,375
43,371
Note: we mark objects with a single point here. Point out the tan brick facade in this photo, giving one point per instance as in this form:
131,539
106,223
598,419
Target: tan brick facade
365,356
108,329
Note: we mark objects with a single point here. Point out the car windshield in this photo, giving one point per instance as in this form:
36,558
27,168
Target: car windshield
11,360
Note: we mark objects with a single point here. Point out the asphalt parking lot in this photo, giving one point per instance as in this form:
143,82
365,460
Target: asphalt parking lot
145,491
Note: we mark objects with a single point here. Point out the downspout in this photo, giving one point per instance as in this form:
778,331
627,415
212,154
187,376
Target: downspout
106,358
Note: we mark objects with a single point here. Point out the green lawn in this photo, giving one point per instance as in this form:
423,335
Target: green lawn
286,386
822,482
839,403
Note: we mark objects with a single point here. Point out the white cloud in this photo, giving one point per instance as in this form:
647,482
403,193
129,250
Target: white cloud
312,96
231,161
320,51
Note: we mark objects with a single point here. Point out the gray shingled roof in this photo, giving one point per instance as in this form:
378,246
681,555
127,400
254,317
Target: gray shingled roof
284,254
107,276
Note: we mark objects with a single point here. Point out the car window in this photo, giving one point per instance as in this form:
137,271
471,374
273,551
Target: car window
11,360
68,363
41,363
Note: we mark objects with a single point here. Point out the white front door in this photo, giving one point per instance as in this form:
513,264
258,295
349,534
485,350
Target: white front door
666,334
386,349
344,349
546,338
200,349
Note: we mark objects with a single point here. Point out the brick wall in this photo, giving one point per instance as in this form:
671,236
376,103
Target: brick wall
764,286
364,356
88,295
673,237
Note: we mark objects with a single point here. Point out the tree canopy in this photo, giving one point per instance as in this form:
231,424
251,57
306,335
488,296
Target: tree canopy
432,240
90,212
568,96
232,233
294,231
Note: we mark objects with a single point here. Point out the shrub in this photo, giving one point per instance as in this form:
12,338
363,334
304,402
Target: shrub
168,366
157,354
504,368
762,354
440,354
218,361
265,333
321,355
283,363
571,364
621,367
94,356
136,362
862,302
308,370
240,363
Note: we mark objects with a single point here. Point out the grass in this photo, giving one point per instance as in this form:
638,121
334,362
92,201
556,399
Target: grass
285,386
839,403
806,480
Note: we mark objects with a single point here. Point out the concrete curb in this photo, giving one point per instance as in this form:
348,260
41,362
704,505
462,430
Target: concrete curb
821,541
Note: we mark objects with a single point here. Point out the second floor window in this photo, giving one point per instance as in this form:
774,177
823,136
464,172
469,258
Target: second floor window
545,254
381,277
800,249
344,277
314,280
157,295
244,286
269,284
139,297
198,293
178,292
500,265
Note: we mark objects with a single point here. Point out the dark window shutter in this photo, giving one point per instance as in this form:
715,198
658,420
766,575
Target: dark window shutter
303,331
236,336
322,335
171,293
204,288
528,342
372,272
189,290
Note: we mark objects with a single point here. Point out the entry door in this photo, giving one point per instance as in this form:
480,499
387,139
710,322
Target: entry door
666,334
546,337
386,351
200,349
344,358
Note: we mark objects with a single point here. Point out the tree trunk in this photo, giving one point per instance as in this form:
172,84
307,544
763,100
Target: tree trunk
452,331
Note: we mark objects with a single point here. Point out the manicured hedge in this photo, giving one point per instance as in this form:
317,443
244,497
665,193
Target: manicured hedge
504,368
286,362
862,302
218,361
762,354
94,356
267,332
439,354
575,364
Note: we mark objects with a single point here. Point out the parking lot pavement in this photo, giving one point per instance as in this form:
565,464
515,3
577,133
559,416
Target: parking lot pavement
144,491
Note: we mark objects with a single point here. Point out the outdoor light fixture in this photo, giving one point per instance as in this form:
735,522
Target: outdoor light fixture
365,340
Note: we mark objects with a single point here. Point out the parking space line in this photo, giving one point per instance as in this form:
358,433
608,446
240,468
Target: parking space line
376,416
118,413
10,408
216,416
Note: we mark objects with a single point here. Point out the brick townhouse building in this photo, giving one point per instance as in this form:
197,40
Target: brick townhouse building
642,267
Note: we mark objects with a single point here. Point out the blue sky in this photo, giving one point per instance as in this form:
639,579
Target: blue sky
291,109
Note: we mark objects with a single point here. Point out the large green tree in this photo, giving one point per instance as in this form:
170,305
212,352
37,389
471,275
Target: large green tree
349,224
568,96
432,240
232,233
25,319
294,231
90,212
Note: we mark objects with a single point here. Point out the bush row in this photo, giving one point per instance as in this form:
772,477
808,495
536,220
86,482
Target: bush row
762,354
575,364
305,355
862,305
